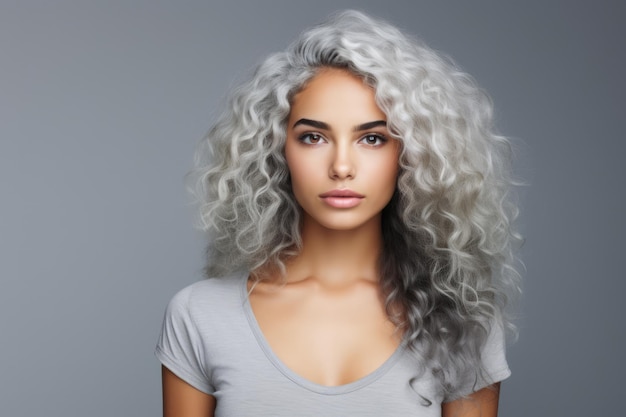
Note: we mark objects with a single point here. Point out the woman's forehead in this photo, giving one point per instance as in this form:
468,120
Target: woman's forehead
336,93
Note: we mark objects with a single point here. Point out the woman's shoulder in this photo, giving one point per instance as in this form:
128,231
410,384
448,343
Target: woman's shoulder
210,294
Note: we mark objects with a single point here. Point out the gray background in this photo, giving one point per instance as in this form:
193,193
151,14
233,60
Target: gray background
102,103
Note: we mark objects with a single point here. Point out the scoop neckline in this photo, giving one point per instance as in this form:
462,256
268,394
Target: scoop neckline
297,378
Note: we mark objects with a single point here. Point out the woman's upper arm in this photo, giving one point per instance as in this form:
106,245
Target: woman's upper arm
482,403
182,400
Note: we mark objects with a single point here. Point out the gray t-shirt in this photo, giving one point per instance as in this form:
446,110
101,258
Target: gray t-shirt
211,339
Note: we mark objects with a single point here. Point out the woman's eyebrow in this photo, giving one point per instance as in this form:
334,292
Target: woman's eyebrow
370,125
313,123
324,126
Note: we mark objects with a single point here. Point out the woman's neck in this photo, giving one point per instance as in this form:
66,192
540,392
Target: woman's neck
337,257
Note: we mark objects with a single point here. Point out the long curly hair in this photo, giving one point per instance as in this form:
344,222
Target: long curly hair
448,269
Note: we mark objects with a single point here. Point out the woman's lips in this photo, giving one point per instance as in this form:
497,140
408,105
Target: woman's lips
342,198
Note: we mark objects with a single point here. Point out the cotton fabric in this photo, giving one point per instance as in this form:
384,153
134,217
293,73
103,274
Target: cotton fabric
211,340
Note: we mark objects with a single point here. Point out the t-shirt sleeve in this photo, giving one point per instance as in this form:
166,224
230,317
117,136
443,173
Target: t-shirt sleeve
180,347
494,365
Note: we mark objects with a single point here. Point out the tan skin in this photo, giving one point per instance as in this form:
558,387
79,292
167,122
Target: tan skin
327,323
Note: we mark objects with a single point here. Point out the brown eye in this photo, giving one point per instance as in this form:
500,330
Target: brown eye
373,139
311,138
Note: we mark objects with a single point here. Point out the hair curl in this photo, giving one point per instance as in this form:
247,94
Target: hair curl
448,263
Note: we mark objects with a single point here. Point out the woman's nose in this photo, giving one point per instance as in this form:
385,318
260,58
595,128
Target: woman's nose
342,164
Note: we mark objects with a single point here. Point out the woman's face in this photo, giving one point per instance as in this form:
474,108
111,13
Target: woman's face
342,160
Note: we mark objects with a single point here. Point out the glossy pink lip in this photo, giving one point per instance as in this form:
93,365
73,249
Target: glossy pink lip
342,198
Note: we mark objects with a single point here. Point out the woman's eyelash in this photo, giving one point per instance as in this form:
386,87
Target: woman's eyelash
310,138
373,139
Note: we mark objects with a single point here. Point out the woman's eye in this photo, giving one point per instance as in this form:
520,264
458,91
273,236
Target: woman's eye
373,140
311,138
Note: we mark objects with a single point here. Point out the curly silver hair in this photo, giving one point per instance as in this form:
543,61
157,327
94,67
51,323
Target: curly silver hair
448,265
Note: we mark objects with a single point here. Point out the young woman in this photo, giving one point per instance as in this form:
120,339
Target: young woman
360,259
